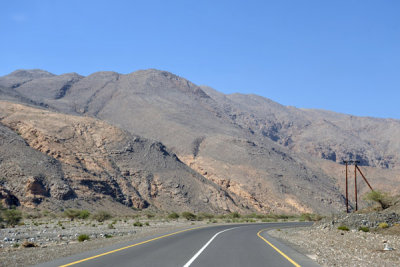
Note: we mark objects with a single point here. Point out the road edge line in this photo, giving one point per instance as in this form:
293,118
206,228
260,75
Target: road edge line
277,249
126,247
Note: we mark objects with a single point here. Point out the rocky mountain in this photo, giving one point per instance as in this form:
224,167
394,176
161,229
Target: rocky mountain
248,152
57,159
323,134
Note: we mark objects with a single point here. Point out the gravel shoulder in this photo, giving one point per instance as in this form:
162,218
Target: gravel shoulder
54,241
333,247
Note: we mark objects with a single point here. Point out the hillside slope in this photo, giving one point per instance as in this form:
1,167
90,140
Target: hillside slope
268,157
59,160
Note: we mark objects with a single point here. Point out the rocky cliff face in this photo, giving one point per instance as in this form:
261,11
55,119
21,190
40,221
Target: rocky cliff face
317,133
50,157
252,153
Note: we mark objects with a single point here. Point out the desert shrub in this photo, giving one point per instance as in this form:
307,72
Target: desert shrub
363,228
84,214
33,215
188,216
204,215
173,215
111,226
310,217
150,215
383,225
221,216
234,215
46,213
101,216
305,217
251,215
83,237
147,224
12,216
1,213
138,224
71,214
343,228
16,245
108,236
383,199
268,220
277,216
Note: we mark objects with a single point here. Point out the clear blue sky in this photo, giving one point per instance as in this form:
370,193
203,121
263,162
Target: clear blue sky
337,55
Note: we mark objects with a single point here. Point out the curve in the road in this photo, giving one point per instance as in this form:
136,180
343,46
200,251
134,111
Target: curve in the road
217,245
205,246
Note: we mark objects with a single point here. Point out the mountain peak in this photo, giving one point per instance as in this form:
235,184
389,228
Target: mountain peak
31,73
165,80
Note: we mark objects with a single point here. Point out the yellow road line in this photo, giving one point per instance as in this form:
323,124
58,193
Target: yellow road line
137,244
280,252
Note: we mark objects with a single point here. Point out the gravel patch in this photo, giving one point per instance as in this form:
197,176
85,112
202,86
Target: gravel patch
56,239
332,247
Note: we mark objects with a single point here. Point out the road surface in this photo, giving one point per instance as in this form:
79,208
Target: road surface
220,246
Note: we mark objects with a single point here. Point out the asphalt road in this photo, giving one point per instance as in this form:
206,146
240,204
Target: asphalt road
221,245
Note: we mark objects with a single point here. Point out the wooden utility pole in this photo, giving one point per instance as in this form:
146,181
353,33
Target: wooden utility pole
355,184
356,168
347,191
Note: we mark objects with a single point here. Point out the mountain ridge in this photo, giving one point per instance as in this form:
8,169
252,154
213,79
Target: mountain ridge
270,157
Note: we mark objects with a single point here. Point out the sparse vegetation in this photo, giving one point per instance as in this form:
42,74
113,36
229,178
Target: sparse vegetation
150,215
383,225
188,216
84,214
203,215
234,215
11,216
382,198
173,215
364,229
343,228
83,237
269,220
310,217
138,224
73,214
102,216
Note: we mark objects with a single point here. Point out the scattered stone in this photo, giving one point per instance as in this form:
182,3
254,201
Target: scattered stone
333,247
62,242
28,244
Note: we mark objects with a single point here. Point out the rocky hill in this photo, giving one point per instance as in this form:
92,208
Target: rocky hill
253,154
59,160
